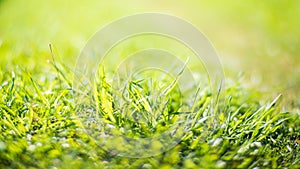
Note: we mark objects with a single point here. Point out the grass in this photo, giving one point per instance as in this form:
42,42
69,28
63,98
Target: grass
40,127
42,124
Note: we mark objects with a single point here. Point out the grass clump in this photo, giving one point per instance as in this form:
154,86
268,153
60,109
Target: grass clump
40,127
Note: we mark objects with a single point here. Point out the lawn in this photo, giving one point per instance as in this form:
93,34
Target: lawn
149,121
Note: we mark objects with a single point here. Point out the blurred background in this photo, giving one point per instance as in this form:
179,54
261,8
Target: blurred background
257,41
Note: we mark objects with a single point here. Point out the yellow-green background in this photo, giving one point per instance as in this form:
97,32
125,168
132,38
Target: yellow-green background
259,38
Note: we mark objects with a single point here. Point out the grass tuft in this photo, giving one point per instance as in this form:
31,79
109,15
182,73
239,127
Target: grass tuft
40,127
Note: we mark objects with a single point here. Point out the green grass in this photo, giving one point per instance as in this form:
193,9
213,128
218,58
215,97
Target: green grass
40,129
39,123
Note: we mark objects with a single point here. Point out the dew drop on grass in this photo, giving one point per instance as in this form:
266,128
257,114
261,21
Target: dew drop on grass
220,164
31,147
289,148
256,144
65,145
